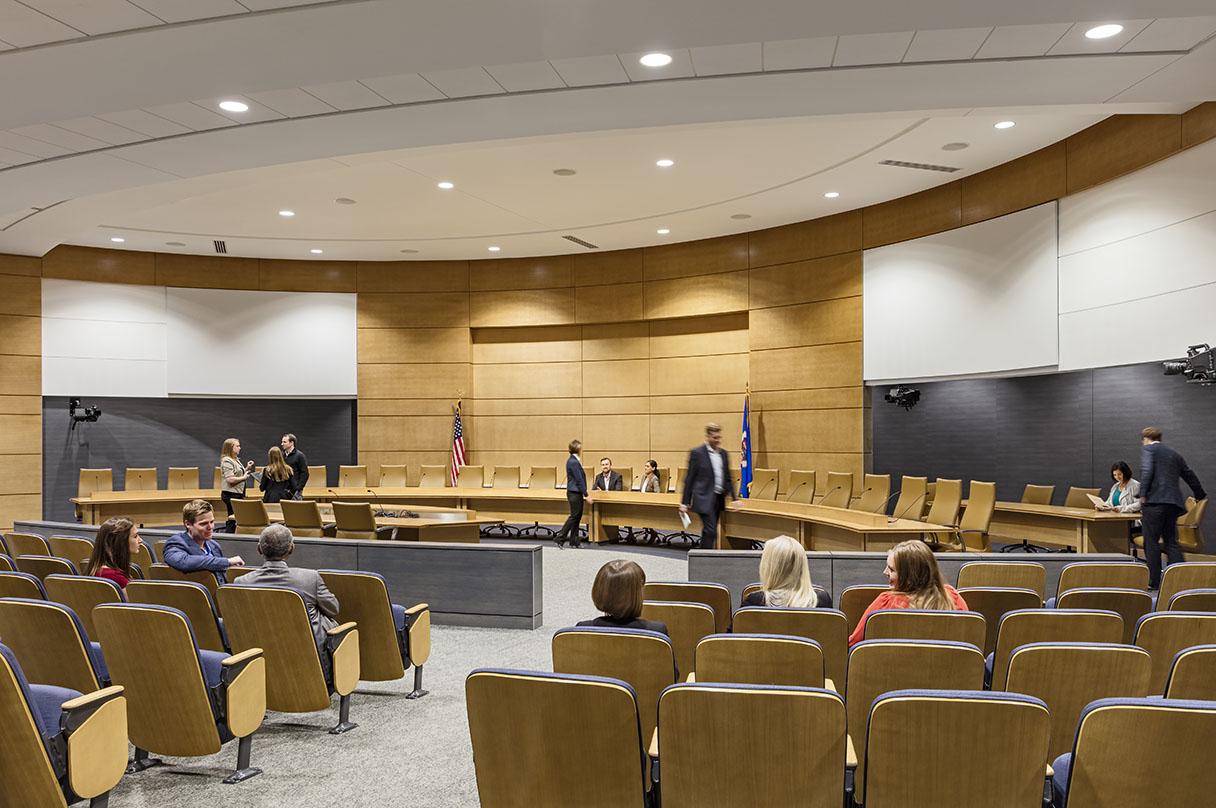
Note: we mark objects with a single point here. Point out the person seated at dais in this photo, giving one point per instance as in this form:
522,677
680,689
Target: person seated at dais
1124,495
607,479
650,478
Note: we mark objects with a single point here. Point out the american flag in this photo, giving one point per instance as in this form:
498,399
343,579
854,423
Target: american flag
457,447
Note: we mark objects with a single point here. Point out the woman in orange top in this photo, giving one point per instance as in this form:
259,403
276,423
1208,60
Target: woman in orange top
916,583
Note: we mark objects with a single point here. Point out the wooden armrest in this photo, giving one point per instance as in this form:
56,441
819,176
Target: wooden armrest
345,628
233,665
96,728
830,685
82,707
654,745
419,607
244,705
850,754
692,677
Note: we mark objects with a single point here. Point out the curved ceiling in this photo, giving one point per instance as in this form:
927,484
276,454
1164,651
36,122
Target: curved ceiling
763,109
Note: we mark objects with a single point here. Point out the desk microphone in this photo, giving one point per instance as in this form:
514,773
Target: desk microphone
379,508
898,516
885,503
831,491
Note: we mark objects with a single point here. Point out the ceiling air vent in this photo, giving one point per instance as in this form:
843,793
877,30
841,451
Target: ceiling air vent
221,247
581,243
918,166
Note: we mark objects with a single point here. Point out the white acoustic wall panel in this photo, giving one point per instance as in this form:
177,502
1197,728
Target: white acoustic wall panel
978,299
223,342
1138,264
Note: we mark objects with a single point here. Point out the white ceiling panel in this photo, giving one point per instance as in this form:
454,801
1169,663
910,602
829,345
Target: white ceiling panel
47,133
464,82
192,116
263,5
799,54
680,67
946,45
256,112
408,88
1177,34
38,148
1075,41
872,49
95,16
525,76
138,120
292,102
723,59
5,46
182,10
1009,41
8,218
346,95
101,130
15,158
587,71
22,26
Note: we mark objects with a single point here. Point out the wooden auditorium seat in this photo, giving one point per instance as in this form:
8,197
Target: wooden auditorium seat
925,624
1050,625
81,594
1005,574
193,600
759,659
715,596
994,602
52,645
827,627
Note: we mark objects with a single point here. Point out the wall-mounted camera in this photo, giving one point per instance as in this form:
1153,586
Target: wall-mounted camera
1199,367
905,397
81,414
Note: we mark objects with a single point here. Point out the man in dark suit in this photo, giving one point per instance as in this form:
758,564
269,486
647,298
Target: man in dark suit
607,479
1162,502
576,495
707,484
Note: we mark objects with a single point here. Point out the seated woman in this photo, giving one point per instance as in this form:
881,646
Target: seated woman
278,482
916,583
650,478
117,540
785,577
617,592
1124,495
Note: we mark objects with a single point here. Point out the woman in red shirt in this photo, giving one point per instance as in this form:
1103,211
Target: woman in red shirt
916,583
117,540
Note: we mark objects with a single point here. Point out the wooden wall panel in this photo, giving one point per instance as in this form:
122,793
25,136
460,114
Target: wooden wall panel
617,405
392,310
810,431
412,276
700,336
20,405
837,365
622,377
689,258
407,432
546,272
306,276
1119,145
679,433
413,345
505,345
811,399
21,375
20,265
15,507
829,235
104,266
616,433
696,296
1199,124
699,374
21,474
615,266
525,307
695,403
529,406
506,433
525,380
21,435
447,381
616,303
807,324
913,216
206,271
1031,180
805,281
20,335
616,341
20,390
410,406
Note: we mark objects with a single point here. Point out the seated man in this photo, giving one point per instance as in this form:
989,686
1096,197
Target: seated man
276,544
607,479
193,549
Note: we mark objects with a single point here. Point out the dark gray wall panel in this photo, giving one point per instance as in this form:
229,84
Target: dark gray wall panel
164,432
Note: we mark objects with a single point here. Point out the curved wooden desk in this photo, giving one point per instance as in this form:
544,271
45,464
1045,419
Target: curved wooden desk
1087,530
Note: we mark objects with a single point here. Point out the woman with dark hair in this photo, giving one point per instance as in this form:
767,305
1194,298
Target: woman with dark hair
1124,495
617,592
650,478
278,481
117,540
916,583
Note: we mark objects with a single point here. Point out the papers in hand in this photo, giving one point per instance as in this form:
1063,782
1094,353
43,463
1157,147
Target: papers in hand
1099,503
685,520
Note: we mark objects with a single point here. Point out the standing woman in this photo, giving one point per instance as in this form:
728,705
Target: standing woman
278,483
233,477
117,540
650,478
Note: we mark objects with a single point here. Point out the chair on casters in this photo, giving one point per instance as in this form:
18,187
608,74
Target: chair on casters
1032,495
504,477
542,478
392,476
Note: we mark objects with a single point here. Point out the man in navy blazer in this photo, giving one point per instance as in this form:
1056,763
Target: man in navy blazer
193,549
1161,468
707,484
576,495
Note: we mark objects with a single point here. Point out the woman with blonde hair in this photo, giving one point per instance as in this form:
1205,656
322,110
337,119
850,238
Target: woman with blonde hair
785,578
916,583
233,476
278,483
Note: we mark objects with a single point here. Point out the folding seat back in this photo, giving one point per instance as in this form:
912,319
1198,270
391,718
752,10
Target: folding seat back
20,544
1193,674
42,566
1193,600
95,481
998,743
70,548
276,621
1038,494
140,480
182,701
191,599
1068,676
183,478
1102,575
542,478
644,659
352,476
760,659
392,476
505,477
50,641
318,477
839,491
881,666
433,477
250,515
81,593
875,494
474,477
994,602
1164,634
1050,625
913,495
159,554
21,585
391,637
802,486
1004,574
926,624
733,727
6,564
59,747
686,624
355,520
946,502
764,484
751,588
715,596
856,599
303,517
1130,604
204,578
1178,577
232,573
1079,497
1173,760
825,626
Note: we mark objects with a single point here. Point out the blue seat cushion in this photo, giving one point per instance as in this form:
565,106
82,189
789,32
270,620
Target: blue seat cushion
398,616
99,662
219,621
1059,778
213,666
1051,603
47,701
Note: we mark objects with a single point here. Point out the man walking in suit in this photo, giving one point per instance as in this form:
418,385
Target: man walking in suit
607,479
1160,470
576,495
276,544
707,484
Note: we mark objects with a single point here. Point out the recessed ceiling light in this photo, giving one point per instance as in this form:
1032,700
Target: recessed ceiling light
662,231
234,106
831,194
445,185
741,216
494,248
1104,31
175,244
664,163
564,172
1003,125
315,251
117,239
287,214
344,200
956,146
656,60
409,252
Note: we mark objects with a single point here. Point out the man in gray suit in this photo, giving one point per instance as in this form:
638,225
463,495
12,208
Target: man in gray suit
1161,468
275,544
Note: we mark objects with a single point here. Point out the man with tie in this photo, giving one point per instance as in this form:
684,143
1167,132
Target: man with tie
607,479
576,495
1162,502
707,484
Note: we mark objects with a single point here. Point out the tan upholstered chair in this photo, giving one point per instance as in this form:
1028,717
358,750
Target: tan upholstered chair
81,594
352,476
183,478
50,641
1038,494
217,478
357,520
318,477
95,481
947,500
1102,574
802,487
856,599
994,602
1193,674
664,479
825,626
764,484
303,517
626,473
918,624
392,476
473,477
140,480
715,596
681,473
433,477
1190,532
1050,625
875,495
759,660
1179,577
192,599
839,490
913,497
1006,574
1130,604
1164,634
1078,497
20,544
971,535
687,624
251,515
542,478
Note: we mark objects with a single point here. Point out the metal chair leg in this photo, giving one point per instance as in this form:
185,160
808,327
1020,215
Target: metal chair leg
142,762
243,770
344,723
417,692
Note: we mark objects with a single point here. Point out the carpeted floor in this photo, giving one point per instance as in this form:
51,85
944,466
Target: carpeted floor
404,753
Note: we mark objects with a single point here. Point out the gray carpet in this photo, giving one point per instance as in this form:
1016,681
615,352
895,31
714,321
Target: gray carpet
404,753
